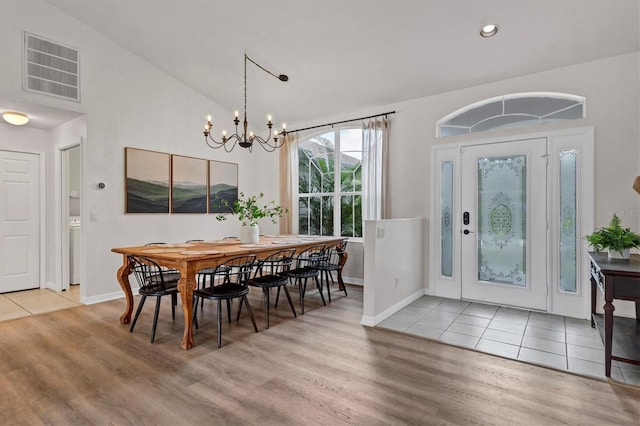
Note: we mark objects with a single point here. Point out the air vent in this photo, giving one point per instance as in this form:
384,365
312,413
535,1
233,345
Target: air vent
51,68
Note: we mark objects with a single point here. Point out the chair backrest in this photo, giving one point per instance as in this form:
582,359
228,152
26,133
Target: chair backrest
236,270
194,241
334,252
154,244
276,263
311,256
149,274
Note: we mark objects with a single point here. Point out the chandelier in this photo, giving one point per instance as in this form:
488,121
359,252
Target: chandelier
246,139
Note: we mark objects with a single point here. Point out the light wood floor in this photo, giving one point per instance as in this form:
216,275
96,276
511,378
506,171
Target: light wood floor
80,366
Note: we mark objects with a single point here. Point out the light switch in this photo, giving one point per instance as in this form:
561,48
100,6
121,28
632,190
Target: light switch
380,233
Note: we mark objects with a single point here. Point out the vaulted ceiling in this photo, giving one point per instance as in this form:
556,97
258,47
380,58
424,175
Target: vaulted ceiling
341,55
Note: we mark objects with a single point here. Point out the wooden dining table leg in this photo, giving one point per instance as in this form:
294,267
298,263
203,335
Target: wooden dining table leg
123,278
186,286
343,259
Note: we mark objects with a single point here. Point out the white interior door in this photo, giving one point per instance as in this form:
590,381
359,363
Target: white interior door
19,221
504,223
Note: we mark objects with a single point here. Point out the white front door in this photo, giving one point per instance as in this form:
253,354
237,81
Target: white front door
504,223
19,221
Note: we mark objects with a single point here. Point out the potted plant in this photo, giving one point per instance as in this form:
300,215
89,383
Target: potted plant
616,239
249,211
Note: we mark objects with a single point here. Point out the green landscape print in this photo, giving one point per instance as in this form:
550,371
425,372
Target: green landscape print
223,185
147,181
188,185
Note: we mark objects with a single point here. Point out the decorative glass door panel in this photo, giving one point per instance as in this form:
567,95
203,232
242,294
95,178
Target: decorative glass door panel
503,225
502,219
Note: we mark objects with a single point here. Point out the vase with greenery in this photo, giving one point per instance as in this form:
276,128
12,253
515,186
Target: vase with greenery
616,239
249,211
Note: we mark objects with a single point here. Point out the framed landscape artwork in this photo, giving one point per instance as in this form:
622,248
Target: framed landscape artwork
147,180
188,184
223,185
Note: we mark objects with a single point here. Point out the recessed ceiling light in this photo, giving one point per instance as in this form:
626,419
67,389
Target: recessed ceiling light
489,30
15,118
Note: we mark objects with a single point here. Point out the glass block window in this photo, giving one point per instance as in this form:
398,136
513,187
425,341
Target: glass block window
514,110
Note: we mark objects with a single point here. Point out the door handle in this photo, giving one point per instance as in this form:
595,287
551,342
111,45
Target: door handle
467,232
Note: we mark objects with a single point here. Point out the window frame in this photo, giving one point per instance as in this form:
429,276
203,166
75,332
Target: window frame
521,117
337,192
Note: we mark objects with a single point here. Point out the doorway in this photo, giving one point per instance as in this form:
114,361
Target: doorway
20,212
507,219
503,204
71,224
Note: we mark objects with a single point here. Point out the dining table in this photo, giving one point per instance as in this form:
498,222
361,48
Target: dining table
191,257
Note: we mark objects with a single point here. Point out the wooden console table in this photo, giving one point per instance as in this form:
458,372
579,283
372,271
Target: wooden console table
616,279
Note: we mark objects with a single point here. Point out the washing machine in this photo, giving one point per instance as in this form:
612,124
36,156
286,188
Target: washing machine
74,250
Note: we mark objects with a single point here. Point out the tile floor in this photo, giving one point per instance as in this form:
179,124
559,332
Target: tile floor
31,302
554,341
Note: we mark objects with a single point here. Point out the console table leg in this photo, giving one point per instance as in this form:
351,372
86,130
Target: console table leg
608,336
594,296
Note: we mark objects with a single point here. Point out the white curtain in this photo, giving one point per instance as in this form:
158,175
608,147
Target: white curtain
288,180
375,141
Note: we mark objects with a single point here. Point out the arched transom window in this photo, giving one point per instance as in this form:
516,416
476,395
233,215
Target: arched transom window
514,110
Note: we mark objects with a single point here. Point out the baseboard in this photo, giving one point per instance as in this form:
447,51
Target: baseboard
106,297
354,281
367,321
52,286
371,321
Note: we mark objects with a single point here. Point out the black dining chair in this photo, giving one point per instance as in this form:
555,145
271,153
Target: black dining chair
332,262
154,281
235,273
270,274
207,274
160,244
304,268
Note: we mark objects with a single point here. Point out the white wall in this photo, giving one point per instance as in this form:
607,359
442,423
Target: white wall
128,103
392,249
611,88
353,271
24,139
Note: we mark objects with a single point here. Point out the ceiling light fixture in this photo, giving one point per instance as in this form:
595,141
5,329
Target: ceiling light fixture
15,118
489,30
246,139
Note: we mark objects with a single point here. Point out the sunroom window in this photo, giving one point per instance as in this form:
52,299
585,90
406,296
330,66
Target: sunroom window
330,183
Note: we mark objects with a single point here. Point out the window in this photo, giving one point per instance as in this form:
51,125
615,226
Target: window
568,247
514,110
330,183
